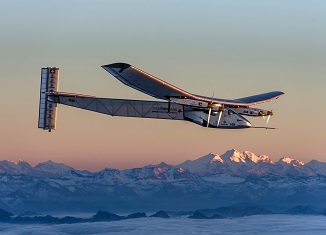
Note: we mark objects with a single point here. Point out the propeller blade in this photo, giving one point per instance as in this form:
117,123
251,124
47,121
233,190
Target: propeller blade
269,116
270,113
209,116
211,106
219,118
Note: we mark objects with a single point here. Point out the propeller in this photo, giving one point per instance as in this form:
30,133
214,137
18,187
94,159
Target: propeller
221,109
210,106
269,113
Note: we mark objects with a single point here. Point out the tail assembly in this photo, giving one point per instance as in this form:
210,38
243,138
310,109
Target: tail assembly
48,109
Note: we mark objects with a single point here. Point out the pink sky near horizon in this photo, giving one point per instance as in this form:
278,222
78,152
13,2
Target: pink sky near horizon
234,49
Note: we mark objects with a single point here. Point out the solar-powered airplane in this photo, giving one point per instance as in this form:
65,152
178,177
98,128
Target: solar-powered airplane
178,104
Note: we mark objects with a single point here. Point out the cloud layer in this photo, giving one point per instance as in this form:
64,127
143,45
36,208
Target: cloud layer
270,224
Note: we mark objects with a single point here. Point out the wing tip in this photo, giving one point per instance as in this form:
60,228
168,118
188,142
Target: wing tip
279,94
118,65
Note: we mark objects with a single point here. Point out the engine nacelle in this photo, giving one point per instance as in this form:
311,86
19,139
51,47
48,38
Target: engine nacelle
254,112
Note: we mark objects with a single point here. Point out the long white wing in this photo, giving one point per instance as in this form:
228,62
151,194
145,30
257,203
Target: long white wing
153,86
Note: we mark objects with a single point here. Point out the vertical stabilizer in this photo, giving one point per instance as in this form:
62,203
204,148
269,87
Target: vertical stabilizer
48,109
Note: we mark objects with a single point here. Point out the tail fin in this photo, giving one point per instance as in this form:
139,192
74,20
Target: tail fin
48,109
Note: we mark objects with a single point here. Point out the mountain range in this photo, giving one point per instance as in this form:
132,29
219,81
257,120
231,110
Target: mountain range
208,182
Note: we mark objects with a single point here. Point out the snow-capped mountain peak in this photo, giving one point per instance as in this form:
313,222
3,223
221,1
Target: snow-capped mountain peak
234,156
235,163
287,160
238,158
201,164
54,168
161,165
161,168
17,162
253,157
264,158
291,161
217,158
256,159
15,167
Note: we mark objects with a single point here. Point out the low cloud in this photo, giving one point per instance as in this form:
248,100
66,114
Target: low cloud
267,224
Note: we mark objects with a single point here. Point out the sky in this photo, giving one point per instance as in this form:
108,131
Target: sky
230,48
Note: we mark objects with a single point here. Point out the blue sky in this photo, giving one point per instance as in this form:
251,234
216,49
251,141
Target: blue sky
231,48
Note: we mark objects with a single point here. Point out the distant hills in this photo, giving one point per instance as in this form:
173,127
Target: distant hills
204,214
208,182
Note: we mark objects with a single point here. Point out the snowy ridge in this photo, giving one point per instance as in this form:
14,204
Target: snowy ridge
206,181
236,163
48,168
291,161
232,162
53,168
15,167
